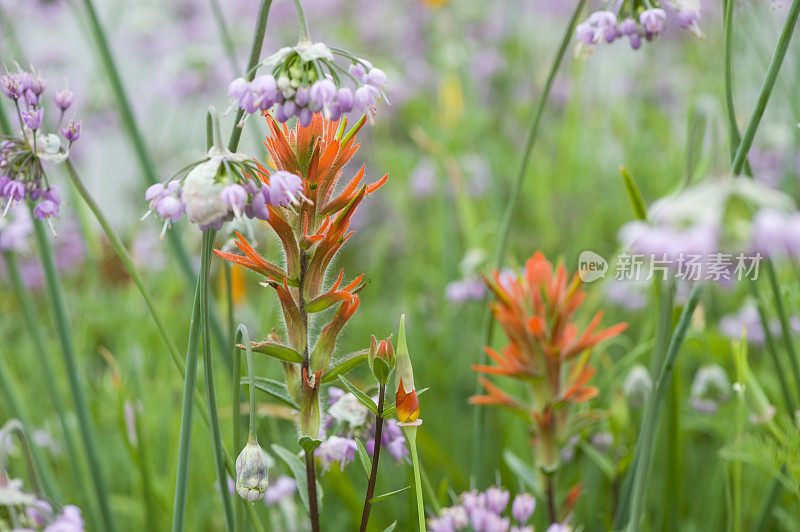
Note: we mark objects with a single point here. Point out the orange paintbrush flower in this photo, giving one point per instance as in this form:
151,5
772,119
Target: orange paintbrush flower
546,348
309,211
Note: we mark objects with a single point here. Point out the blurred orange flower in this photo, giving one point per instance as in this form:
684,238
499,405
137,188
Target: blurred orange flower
546,348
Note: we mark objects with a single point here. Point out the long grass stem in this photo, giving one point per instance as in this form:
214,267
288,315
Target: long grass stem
76,386
478,431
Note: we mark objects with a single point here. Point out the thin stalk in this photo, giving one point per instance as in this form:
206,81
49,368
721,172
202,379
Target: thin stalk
211,398
550,489
64,331
411,436
771,348
302,22
242,336
43,360
502,242
666,304
41,472
311,480
784,320
149,172
127,260
255,53
373,474
770,499
224,34
645,443
16,426
311,469
766,88
187,413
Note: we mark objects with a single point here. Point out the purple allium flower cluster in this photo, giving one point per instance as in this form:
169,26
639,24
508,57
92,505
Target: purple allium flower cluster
718,224
279,490
747,318
69,249
464,290
630,19
484,512
38,514
346,420
14,229
217,189
298,85
22,176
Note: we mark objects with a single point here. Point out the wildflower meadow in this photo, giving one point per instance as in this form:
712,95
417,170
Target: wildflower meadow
435,265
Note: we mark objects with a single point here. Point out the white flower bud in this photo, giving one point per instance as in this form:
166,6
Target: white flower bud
252,468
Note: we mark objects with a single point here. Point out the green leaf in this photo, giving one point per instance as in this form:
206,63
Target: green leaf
298,468
343,365
309,444
391,409
363,398
390,527
380,369
602,461
281,352
364,457
523,472
276,390
634,195
387,495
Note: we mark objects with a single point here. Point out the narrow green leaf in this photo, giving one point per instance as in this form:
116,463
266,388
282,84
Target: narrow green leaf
391,409
343,365
281,352
298,469
276,390
634,195
390,527
602,461
387,495
523,472
363,398
364,457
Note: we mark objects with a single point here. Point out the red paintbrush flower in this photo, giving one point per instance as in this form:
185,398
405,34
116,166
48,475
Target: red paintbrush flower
545,349
310,213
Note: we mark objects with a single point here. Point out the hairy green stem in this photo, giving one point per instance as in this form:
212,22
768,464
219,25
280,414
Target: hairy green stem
64,331
478,432
645,443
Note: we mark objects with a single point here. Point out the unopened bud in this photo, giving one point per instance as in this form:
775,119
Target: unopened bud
252,468
381,359
405,393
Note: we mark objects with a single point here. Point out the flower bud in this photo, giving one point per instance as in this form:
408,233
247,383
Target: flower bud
637,386
405,393
381,359
252,468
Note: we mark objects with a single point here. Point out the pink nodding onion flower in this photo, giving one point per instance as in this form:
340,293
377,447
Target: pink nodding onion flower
625,19
22,173
305,80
